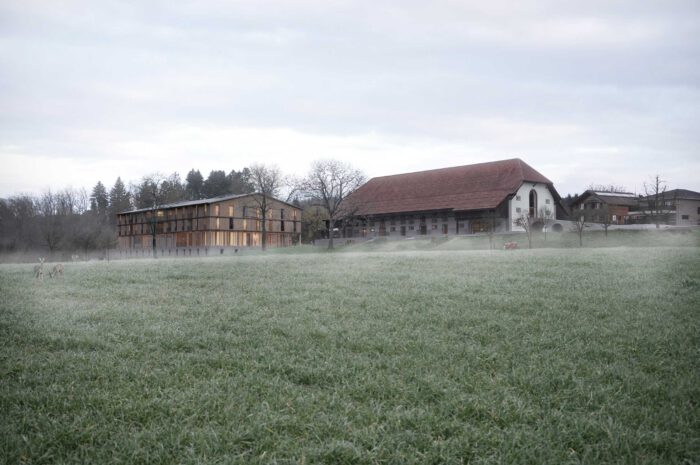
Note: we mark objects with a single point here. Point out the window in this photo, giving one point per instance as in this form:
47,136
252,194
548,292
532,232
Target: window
434,226
282,216
282,225
410,228
517,197
517,210
230,222
392,221
230,211
698,210
533,204
392,229
216,210
547,201
685,217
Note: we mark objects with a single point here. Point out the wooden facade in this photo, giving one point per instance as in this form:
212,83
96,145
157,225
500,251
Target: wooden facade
224,222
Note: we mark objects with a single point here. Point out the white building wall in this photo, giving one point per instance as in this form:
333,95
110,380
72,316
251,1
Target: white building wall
690,209
521,201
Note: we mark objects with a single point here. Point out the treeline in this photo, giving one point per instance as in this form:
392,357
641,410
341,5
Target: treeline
72,221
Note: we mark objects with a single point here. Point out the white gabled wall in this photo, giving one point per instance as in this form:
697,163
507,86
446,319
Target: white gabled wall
543,194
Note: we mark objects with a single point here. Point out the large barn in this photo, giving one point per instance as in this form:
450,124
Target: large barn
197,226
459,200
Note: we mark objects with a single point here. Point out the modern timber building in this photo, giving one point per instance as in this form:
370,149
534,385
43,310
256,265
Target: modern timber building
232,221
466,199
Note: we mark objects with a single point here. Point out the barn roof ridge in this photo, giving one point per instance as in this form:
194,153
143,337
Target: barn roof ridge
466,187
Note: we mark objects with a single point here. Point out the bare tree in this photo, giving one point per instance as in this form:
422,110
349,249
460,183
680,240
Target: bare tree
267,181
654,192
330,182
606,188
149,194
579,220
53,209
605,218
525,221
546,215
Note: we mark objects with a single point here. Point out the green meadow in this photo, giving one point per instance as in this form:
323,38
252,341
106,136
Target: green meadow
366,356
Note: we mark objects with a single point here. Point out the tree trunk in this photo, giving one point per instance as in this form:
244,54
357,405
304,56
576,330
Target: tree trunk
263,239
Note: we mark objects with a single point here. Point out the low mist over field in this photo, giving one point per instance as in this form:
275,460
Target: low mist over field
447,356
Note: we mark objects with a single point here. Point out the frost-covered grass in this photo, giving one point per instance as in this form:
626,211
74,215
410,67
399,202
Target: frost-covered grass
542,356
591,239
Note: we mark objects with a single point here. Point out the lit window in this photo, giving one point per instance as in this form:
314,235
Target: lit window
230,211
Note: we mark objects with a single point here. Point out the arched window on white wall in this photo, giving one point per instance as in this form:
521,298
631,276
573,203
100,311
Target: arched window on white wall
533,204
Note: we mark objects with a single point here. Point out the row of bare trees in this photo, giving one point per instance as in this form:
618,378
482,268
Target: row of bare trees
53,221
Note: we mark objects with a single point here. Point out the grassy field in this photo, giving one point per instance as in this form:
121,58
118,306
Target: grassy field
547,356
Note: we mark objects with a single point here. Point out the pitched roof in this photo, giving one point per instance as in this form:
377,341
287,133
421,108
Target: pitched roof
627,199
684,194
187,203
460,188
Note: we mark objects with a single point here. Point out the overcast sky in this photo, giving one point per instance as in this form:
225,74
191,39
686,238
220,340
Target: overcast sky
602,92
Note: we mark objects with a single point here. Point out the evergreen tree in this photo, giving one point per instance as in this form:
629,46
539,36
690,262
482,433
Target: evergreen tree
216,184
172,189
240,182
99,200
194,185
119,200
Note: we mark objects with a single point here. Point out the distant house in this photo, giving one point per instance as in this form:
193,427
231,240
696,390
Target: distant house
459,200
607,207
680,207
228,221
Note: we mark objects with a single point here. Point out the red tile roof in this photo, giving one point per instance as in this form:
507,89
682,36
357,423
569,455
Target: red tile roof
461,188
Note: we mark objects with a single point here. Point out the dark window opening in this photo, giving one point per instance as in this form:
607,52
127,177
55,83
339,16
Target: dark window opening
533,204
